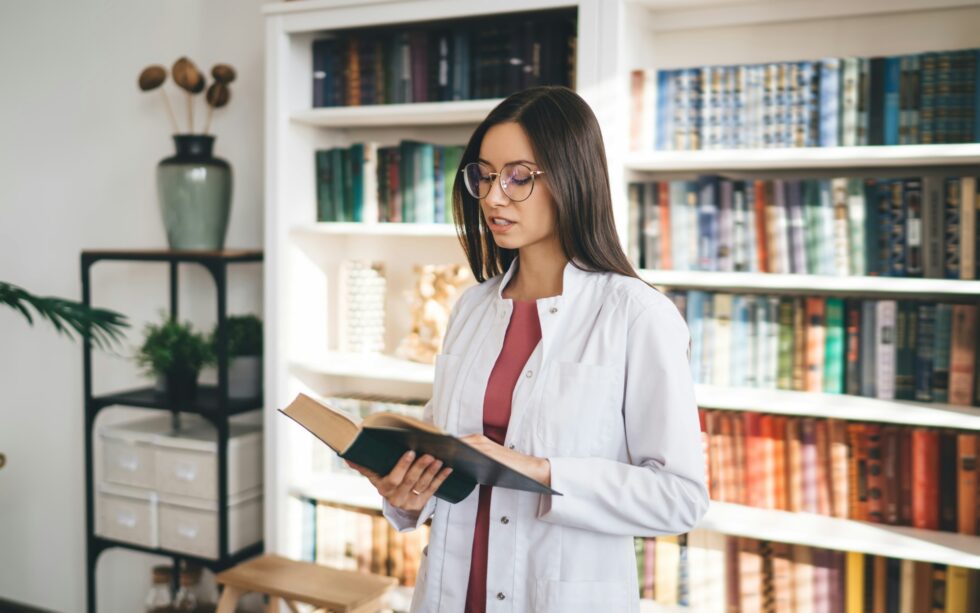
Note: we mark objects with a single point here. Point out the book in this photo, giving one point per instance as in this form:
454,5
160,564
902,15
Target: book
380,439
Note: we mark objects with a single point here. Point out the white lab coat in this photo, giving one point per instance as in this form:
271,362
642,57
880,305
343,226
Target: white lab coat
607,397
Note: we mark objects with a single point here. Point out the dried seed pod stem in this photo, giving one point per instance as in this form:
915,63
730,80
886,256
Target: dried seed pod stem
170,111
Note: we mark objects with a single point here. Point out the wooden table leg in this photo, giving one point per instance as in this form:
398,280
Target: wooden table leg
229,599
273,606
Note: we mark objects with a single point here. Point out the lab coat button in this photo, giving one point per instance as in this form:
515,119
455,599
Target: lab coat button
529,373
511,445
504,520
554,310
500,596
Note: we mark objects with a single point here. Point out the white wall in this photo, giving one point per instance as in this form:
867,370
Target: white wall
78,147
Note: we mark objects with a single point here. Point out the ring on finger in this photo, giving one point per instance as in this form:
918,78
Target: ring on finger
416,492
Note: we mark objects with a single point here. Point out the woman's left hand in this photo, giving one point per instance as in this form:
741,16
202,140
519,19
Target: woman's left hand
532,466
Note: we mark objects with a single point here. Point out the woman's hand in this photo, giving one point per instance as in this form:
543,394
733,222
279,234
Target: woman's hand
410,483
537,468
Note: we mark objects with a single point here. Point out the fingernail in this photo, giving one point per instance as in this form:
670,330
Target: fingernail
411,454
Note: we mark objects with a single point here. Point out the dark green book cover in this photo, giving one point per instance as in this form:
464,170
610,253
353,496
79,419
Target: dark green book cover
382,438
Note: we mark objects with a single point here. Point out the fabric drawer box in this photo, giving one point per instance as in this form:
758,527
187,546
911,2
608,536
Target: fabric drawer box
147,453
191,526
128,462
130,517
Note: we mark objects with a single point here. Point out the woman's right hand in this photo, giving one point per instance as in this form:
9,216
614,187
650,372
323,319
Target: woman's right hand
410,483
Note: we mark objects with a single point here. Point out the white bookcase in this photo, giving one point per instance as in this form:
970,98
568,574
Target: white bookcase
615,37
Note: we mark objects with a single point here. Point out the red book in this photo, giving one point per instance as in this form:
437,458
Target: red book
839,478
925,478
738,451
905,473
892,478
705,448
728,475
794,465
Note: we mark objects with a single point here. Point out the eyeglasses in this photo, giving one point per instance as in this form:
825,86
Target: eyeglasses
516,180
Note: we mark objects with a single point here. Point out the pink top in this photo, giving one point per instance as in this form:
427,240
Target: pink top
523,334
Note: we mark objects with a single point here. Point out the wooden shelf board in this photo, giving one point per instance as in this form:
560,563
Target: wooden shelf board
395,115
884,287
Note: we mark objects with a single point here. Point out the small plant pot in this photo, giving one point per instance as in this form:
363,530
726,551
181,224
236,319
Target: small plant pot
245,377
180,389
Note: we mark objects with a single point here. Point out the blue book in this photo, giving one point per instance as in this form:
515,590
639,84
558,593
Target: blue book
808,119
695,306
797,237
708,223
663,124
680,223
925,341
892,106
830,73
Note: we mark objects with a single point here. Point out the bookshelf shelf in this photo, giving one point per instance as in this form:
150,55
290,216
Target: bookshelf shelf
739,520
839,406
379,230
843,534
814,285
397,115
812,158
369,366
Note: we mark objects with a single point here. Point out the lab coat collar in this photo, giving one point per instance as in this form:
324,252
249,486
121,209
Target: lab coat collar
549,309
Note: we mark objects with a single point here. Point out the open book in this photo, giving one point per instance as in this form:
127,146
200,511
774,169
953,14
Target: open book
381,439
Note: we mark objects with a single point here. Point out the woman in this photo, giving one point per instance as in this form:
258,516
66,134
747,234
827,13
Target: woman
561,363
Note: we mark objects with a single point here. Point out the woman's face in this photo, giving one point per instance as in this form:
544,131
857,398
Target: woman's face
515,224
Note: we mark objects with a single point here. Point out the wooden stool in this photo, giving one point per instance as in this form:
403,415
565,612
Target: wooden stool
338,591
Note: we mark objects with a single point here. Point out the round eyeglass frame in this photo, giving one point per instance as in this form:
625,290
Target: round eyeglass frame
495,176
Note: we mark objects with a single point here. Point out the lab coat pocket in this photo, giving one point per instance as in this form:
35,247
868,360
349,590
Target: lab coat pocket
446,372
581,596
576,407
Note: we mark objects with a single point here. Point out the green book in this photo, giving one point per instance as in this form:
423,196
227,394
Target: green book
406,175
784,359
357,181
380,440
940,353
451,158
324,202
348,185
337,183
425,170
812,227
833,357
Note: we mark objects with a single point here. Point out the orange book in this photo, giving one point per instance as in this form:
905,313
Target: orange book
962,354
767,457
636,109
925,478
749,575
816,339
839,478
857,470
716,486
663,202
755,477
761,246
781,493
794,465
880,584
782,577
966,483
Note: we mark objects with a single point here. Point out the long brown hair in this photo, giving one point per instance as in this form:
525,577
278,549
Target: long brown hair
567,144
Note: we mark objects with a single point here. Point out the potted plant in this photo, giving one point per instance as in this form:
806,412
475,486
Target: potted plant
244,355
175,354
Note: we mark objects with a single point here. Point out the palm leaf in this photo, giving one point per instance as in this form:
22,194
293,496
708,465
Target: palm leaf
102,326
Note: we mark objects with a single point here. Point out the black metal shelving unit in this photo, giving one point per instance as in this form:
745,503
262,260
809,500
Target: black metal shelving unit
212,403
